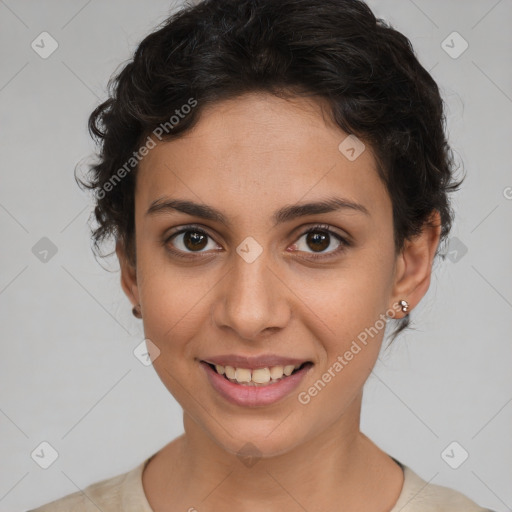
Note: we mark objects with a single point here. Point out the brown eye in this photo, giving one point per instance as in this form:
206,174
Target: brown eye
194,241
317,240
190,240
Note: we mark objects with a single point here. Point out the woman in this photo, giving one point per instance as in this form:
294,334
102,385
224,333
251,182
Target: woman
276,178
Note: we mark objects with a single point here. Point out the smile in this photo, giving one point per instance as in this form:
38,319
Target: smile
255,386
256,377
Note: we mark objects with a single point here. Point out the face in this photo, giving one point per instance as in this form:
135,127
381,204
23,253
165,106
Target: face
248,287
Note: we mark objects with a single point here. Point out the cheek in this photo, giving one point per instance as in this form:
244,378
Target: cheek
173,315
172,304
349,341
349,299
354,338
351,306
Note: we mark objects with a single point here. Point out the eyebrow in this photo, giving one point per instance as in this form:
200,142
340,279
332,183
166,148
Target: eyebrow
285,214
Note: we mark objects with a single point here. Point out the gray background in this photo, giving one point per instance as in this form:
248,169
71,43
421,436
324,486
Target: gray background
69,376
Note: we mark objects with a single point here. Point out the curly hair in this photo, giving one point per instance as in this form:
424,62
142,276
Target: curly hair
336,50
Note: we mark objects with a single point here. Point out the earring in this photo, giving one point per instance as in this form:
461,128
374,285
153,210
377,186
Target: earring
136,311
405,305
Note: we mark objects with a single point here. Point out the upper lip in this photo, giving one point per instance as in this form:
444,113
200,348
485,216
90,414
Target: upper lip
253,362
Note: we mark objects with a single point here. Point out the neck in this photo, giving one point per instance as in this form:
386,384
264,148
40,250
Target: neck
340,463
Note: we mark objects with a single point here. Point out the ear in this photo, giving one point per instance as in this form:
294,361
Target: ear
414,264
128,275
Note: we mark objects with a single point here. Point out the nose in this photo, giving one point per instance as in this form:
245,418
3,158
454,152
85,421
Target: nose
252,300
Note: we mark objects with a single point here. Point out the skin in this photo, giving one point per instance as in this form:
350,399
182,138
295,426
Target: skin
248,157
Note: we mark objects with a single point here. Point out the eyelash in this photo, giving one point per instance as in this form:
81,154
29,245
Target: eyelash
325,228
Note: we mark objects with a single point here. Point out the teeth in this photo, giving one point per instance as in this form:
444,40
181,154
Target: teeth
243,375
258,376
288,369
261,375
230,372
276,372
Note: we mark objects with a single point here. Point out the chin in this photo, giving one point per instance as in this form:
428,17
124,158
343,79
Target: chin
259,442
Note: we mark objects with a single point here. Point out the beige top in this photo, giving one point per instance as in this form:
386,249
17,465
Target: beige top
125,493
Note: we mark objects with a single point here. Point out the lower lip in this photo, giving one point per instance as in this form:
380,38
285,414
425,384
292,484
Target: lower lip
254,396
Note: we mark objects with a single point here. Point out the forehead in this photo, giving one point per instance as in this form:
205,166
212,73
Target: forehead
259,150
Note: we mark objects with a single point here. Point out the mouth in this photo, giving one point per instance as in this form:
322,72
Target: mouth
258,385
257,377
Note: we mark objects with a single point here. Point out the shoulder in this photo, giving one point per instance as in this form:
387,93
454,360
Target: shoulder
420,496
120,493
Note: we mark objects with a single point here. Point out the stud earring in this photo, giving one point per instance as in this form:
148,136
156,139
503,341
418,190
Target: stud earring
136,311
405,305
